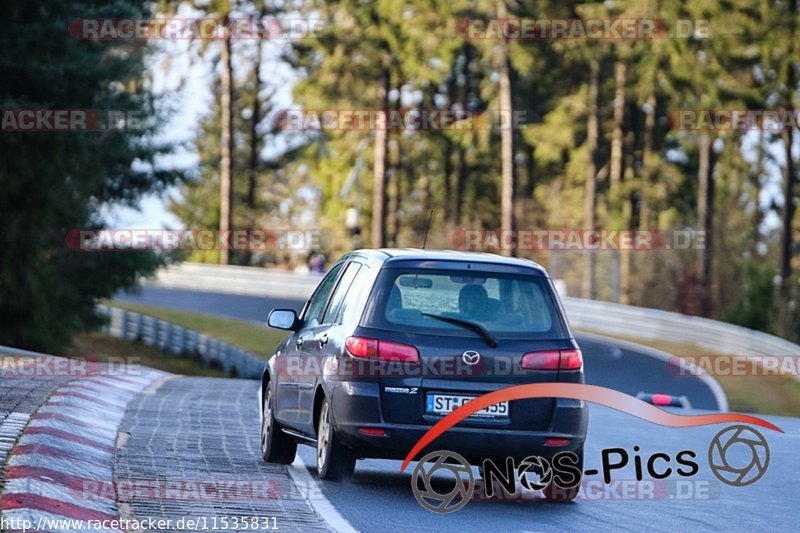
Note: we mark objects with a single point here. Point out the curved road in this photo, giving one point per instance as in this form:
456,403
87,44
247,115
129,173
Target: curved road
379,497
206,428
621,366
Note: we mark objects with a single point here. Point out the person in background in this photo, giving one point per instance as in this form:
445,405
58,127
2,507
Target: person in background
317,263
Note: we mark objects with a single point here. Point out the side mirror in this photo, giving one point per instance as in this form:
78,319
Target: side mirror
282,319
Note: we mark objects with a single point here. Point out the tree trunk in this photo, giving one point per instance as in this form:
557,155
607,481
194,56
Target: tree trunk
506,137
530,172
755,182
630,213
787,243
448,171
252,164
462,172
615,163
705,217
648,216
648,205
252,167
226,145
394,196
615,170
424,187
379,169
590,193
395,186
461,182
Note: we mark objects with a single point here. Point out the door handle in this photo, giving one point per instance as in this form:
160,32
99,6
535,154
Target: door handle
323,340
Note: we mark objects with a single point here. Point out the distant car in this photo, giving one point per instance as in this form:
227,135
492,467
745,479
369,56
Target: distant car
391,341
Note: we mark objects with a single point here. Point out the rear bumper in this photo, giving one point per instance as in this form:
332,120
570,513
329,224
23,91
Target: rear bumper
356,405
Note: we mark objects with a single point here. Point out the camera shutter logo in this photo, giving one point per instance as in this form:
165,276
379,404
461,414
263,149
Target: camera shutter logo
538,466
738,455
422,482
471,357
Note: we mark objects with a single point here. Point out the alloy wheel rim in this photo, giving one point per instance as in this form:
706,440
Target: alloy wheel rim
323,438
266,423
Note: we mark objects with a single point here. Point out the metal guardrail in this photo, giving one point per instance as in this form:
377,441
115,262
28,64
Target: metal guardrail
653,324
237,280
601,317
181,341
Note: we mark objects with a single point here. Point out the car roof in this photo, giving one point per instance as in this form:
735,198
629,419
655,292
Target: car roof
391,255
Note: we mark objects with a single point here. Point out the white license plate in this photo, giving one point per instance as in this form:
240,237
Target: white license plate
442,404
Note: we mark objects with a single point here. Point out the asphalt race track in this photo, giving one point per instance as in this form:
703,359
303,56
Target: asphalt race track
379,498
197,427
198,414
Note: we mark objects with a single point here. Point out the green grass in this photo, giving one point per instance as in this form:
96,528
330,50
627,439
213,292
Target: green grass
101,347
255,338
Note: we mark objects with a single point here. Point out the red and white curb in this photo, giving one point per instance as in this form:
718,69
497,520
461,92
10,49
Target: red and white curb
11,426
67,446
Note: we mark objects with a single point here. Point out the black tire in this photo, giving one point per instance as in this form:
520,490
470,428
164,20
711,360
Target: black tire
553,493
276,446
334,461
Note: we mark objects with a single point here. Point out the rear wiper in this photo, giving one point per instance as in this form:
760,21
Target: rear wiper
472,326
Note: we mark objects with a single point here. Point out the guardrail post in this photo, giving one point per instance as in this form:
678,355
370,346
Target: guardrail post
148,330
178,339
162,334
190,347
202,348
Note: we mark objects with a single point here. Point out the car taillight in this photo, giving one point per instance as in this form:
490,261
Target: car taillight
385,350
553,360
662,399
571,360
392,351
361,347
541,360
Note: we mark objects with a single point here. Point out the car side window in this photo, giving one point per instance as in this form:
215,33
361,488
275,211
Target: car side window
356,297
339,295
320,297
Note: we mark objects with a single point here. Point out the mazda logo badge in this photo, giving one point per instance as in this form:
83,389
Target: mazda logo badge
471,357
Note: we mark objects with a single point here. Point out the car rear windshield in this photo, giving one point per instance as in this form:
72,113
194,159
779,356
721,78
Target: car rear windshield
505,305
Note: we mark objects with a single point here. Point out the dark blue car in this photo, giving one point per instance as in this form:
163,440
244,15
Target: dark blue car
393,340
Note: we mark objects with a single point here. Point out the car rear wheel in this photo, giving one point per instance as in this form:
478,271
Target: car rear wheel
555,493
276,446
334,461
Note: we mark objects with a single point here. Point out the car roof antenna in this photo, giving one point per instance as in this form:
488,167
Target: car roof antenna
427,229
